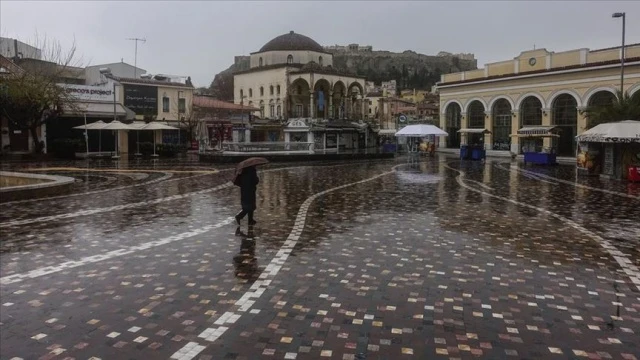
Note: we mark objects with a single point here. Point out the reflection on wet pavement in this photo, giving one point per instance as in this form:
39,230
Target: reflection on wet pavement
441,259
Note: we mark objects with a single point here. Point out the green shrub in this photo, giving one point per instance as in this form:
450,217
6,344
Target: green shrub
67,148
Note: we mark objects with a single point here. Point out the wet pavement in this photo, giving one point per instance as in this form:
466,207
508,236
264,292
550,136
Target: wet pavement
358,260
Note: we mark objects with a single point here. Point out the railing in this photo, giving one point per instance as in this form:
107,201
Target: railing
268,147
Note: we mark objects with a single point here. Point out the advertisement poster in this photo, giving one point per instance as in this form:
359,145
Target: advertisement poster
143,100
589,158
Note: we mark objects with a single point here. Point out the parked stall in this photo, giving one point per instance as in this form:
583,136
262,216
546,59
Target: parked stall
611,149
472,144
414,134
532,140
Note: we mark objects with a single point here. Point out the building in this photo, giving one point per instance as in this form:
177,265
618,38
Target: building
536,88
221,118
349,48
15,49
93,76
292,77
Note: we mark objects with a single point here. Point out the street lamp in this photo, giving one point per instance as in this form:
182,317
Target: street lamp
623,16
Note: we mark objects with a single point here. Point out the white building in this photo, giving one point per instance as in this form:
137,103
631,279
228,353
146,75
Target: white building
121,69
12,48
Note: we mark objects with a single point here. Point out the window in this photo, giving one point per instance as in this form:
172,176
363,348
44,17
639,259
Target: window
241,94
290,59
250,92
279,111
476,115
278,89
298,110
261,91
182,105
320,60
271,90
165,104
262,111
272,112
260,62
531,112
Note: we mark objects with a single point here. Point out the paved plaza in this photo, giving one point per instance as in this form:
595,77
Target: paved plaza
436,259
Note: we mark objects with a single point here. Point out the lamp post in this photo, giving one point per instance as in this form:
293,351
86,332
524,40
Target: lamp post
623,16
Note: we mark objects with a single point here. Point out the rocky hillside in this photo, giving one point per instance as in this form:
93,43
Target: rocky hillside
410,69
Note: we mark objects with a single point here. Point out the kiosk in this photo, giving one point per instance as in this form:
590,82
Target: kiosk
532,140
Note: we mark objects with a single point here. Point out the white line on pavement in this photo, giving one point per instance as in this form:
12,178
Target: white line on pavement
632,271
542,176
249,298
109,255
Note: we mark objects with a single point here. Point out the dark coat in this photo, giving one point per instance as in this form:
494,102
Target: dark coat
248,182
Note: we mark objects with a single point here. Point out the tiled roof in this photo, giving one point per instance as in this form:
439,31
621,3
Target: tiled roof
543,71
126,80
215,104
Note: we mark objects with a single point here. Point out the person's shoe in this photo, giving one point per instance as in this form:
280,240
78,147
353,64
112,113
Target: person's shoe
252,222
238,219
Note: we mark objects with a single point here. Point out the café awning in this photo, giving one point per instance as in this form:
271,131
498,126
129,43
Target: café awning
538,131
626,131
474,131
94,109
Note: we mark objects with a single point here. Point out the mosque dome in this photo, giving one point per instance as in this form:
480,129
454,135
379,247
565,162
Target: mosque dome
292,42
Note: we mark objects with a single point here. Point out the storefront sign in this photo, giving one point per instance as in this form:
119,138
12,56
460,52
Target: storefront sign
90,93
143,100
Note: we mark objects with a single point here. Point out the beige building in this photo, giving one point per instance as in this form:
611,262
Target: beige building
292,76
537,88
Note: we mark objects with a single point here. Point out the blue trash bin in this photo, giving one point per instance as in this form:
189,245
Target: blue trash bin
478,153
464,152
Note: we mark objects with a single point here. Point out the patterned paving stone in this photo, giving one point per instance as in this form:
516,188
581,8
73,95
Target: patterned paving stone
346,263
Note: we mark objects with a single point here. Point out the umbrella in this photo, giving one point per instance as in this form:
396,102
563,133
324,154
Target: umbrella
98,125
420,130
156,126
117,125
254,161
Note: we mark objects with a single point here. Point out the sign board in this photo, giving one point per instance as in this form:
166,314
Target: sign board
143,100
89,93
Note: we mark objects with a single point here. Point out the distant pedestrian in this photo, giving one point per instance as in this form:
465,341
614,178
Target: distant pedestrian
248,181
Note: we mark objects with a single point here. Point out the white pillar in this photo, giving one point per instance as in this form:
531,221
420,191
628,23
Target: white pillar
311,106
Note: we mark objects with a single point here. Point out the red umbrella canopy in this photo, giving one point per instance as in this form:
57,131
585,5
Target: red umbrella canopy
254,161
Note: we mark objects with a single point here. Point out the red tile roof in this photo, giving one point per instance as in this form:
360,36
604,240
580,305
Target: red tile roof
215,104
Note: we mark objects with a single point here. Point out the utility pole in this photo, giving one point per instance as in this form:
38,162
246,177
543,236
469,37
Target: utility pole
135,59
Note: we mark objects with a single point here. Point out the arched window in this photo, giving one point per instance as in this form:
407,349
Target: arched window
261,91
565,115
602,98
453,115
502,125
260,62
278,89
279,111
320,60
250,92
531,112
271,90
476,115
290,59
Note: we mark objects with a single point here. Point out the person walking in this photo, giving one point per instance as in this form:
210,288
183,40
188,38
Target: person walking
248,181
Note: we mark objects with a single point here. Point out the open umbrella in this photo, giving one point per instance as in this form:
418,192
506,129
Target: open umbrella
156,126
98,125
117,125
254,161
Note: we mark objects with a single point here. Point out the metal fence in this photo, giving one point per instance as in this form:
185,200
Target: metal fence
268,146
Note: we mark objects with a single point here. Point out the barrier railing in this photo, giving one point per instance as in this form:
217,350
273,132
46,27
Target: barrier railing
268,146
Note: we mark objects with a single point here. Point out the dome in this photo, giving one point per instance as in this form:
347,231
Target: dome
292,42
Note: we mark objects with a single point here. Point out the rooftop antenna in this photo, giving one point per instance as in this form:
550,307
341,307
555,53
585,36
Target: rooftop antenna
135,59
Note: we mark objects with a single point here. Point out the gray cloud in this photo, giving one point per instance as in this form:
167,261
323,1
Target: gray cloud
200,38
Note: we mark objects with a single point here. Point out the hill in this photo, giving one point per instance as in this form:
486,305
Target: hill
410,69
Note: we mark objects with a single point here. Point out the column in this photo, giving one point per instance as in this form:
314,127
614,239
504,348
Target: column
488,124
546,121
515,125
362,108
330,105
311,106
463,125
582,120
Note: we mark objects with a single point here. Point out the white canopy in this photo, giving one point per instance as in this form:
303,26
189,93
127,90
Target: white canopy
626,131
117,125
420,130
98,125
156,126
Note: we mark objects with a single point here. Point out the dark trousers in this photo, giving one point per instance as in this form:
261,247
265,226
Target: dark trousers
242,214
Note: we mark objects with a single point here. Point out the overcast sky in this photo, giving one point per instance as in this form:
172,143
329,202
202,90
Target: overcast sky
201,38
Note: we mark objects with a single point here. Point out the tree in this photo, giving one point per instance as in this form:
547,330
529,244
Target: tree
32,97
623,107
